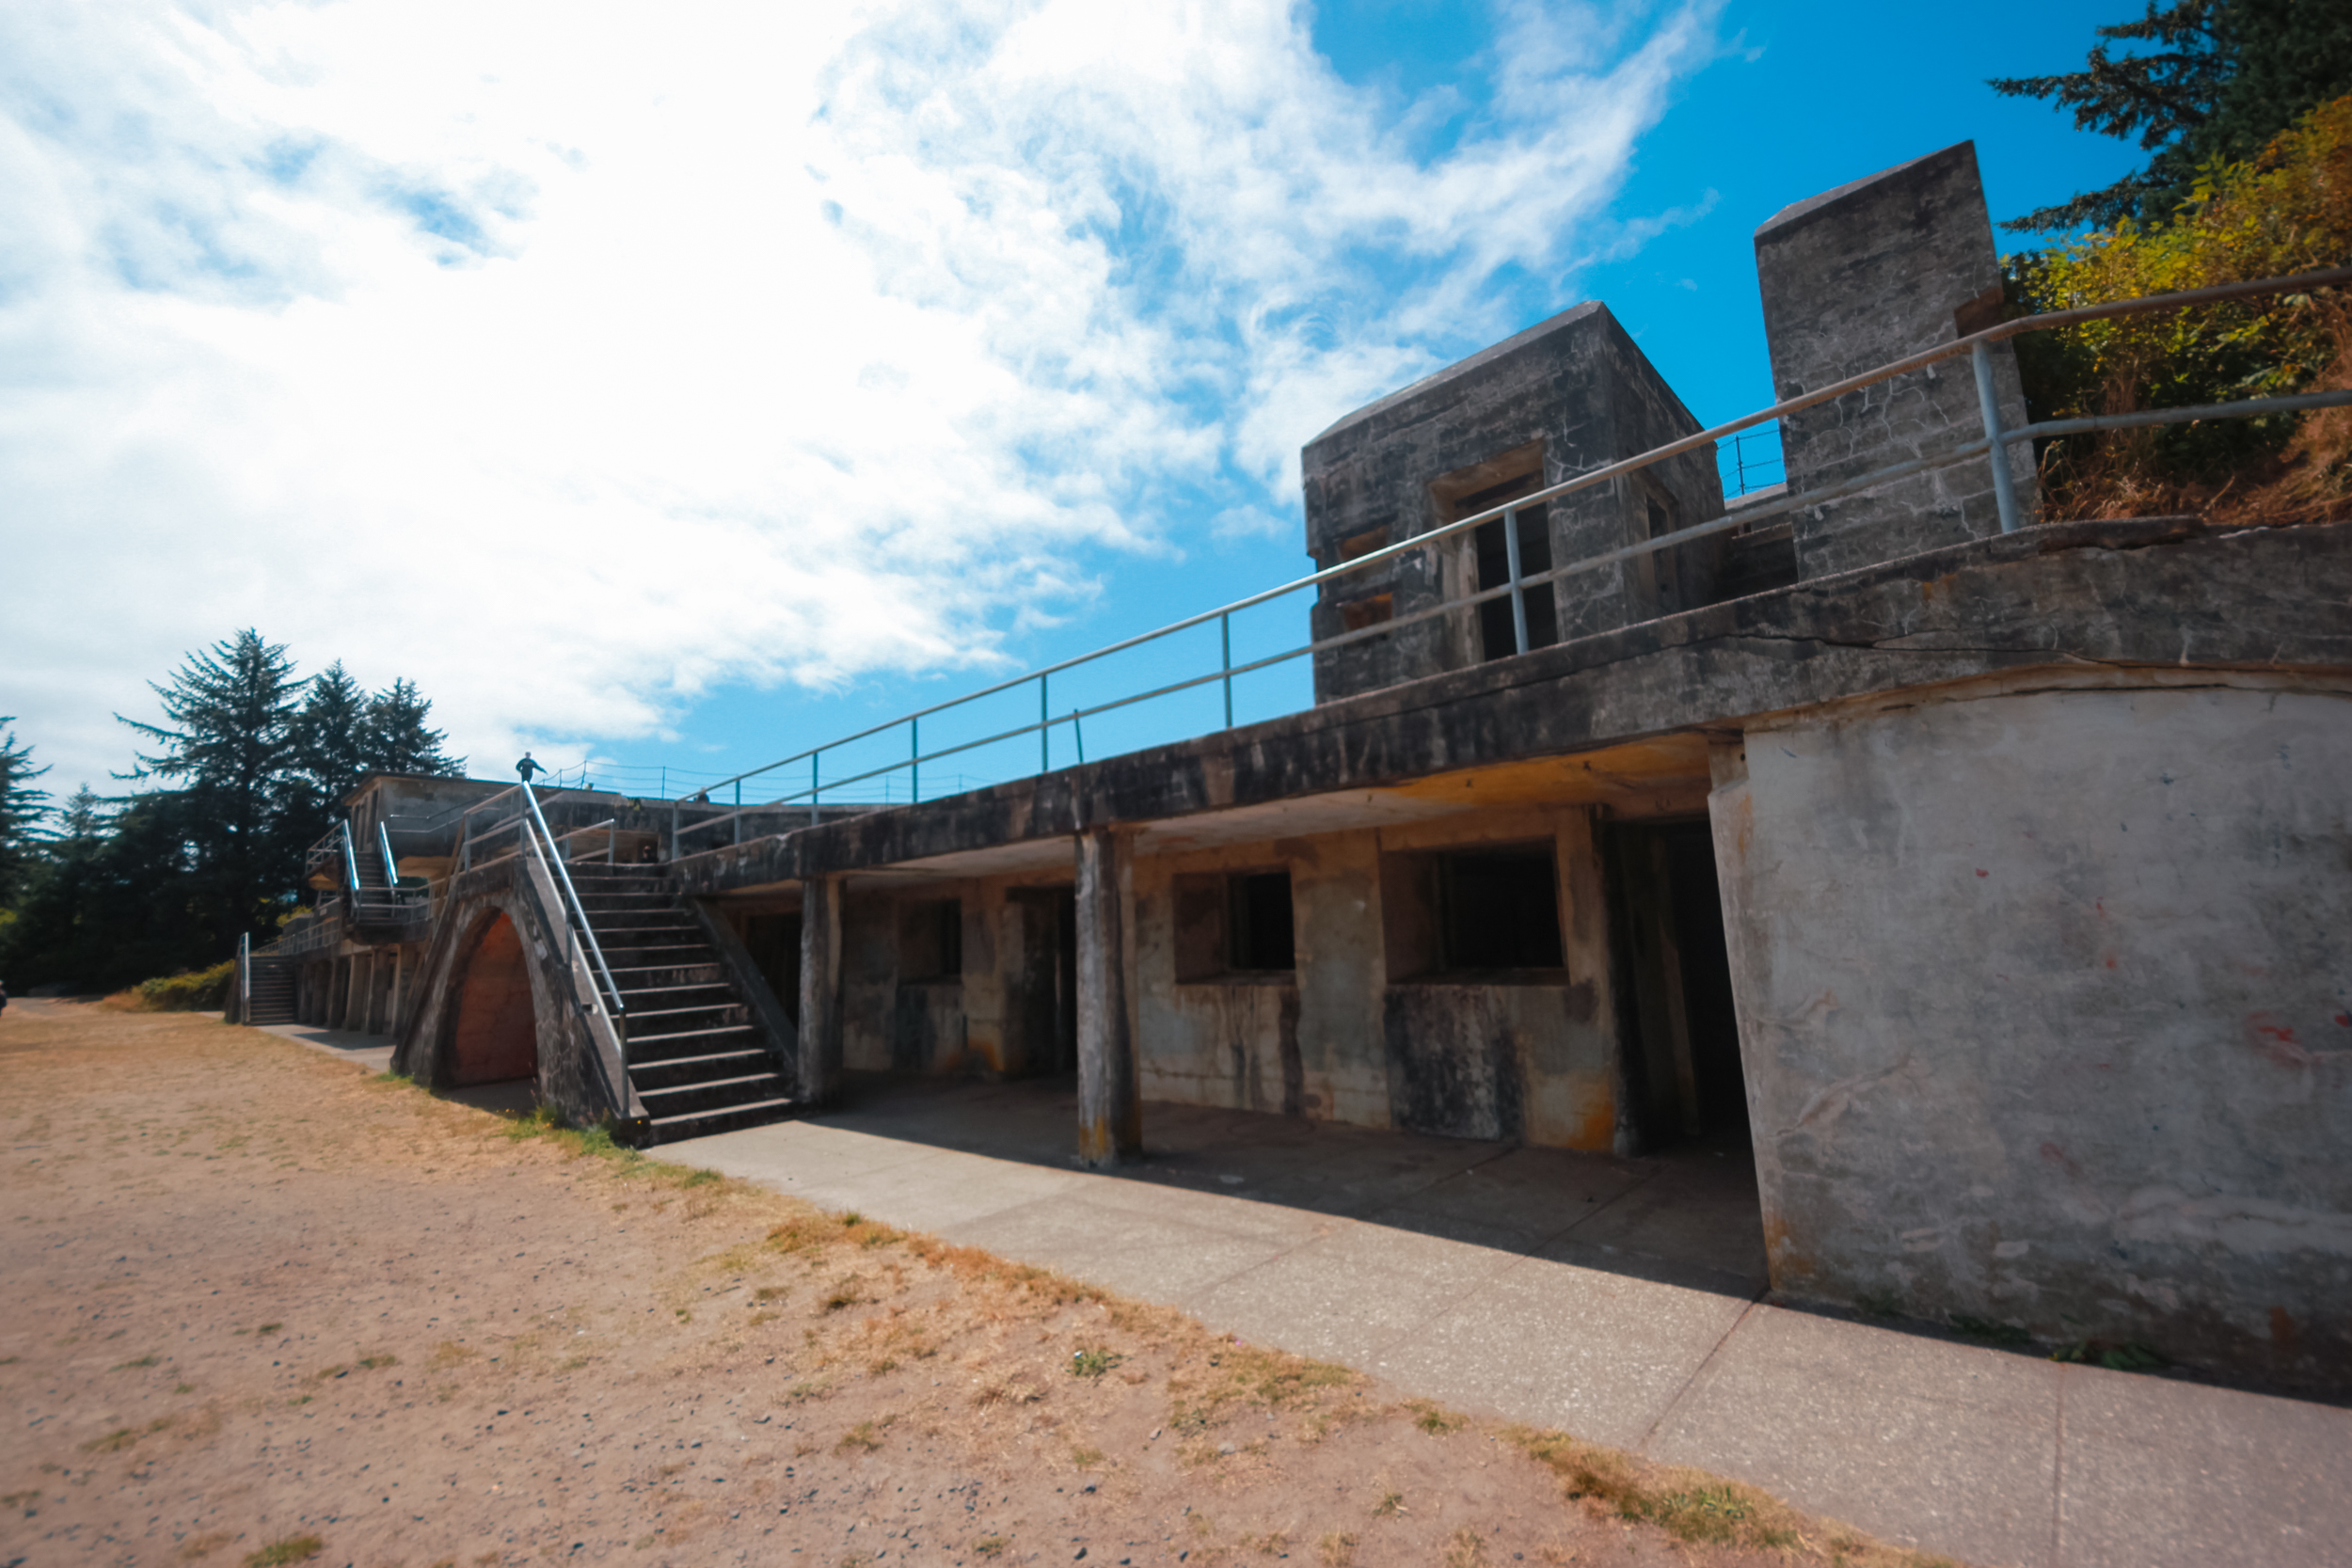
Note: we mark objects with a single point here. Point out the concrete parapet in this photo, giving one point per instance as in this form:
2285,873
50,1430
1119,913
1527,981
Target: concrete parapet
1851,279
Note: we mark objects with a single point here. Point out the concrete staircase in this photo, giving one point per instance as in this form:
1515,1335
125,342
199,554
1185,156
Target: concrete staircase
694,1056
273,998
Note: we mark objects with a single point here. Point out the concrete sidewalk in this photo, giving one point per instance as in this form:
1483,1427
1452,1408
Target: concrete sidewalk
1615,1299
372,1052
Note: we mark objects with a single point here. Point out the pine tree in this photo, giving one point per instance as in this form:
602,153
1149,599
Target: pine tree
397,738
327,740
21,811
2222,78
230,747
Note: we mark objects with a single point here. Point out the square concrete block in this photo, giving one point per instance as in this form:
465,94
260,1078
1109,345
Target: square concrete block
1224,1209
1705,1218
2162,1473
1532,1194
801,1151
1600,1355
1941,1447
1347,1294
942,1191
1164,1259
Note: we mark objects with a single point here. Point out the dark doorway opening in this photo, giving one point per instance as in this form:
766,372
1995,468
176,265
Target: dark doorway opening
774,943
496,1036
1681,1031
1042,984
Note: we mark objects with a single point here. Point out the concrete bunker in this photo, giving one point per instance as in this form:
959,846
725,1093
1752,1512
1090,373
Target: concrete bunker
1980,887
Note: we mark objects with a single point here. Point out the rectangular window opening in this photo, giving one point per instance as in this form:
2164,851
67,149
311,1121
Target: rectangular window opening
1499,909
1233,925
931,940
1260,936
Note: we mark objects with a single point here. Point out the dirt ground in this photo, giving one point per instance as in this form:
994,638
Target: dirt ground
263,1308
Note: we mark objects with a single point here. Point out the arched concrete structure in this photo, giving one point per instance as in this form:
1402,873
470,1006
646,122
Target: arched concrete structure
494,1036
495,1001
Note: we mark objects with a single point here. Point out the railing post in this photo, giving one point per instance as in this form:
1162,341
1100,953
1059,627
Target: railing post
1044,730
739,811
812,787
1519,595
914,763
674,826
2003,484
1225,646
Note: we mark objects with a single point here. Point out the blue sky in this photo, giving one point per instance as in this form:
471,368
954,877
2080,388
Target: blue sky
1795,100
682,396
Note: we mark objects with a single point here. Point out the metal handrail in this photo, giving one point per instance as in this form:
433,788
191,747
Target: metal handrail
561,875
351,856
610,822
1995,443
391,866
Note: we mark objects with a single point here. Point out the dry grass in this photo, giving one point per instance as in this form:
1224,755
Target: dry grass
866,1361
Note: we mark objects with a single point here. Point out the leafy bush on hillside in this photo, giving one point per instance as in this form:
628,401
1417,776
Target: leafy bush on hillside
2286,210
198,990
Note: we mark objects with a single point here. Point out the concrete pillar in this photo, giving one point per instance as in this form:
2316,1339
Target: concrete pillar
360,980
821,988
1110,1105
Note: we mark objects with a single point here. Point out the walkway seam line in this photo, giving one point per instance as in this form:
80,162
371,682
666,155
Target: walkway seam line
1706,1361
2057,1478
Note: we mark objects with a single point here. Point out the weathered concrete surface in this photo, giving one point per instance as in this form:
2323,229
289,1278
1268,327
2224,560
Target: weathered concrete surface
1110,1106
1611,1298
820,1021
2148,594
2045,998
572,1066
1855,279
1565,395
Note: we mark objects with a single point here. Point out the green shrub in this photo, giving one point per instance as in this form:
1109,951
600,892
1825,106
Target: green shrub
196,991
2288,210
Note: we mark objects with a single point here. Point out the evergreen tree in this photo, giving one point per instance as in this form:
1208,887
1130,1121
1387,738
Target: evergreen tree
326,747
230,747
117,898
2222,78
21,811
328,738
398,740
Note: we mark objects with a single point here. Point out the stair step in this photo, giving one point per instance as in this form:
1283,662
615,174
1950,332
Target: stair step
680,1011
703,1124
714,1094
636,1040
683,1072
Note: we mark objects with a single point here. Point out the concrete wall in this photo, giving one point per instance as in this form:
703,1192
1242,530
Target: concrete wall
1569,394
2045,1004
1350,1035
1856,278
997,1017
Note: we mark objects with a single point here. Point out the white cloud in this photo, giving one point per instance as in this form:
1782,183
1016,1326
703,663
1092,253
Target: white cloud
570,359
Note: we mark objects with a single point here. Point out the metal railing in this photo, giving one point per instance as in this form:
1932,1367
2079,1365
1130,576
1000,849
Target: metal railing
351,855
1993,444
606,996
